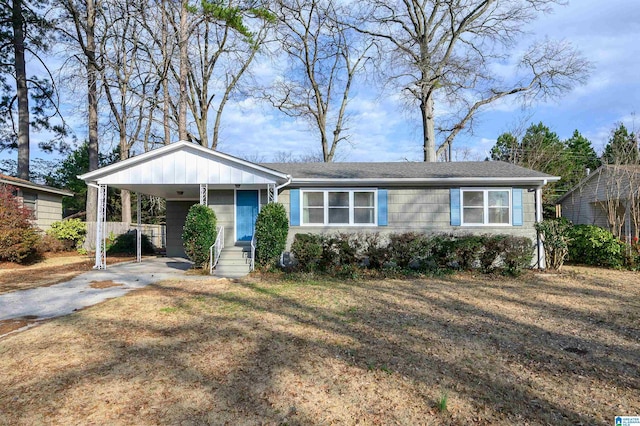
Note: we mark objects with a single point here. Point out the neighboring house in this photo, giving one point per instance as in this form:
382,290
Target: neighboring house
459,197
44,201
609,198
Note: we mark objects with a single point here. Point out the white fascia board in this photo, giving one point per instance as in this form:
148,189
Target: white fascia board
428,181
96,174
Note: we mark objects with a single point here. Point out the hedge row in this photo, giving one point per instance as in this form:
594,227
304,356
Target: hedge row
339,253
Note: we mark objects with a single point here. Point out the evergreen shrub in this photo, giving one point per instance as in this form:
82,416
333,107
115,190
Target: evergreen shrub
71,232
199,233
592,245
272,228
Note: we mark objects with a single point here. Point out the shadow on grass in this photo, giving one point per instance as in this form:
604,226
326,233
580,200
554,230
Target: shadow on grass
234,346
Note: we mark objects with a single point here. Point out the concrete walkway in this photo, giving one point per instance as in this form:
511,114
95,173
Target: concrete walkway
64,298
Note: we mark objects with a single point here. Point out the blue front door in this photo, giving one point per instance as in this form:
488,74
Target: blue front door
246,213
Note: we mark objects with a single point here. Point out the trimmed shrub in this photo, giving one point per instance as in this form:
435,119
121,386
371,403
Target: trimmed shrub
409,249
126,244
272,227
343,254
466,250
19,238
340,250
375,250
70,231
307,249
555,236
50,244
199,233
592,245
517,254
492,254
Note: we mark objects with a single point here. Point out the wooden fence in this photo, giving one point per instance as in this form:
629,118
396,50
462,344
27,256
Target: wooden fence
156,233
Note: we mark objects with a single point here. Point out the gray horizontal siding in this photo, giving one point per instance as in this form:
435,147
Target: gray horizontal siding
48,210
424,210
222,203
176,215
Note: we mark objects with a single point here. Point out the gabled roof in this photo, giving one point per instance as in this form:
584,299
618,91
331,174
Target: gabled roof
22,183
616,168
153,159
476,172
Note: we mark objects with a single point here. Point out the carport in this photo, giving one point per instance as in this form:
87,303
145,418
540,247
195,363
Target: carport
184,173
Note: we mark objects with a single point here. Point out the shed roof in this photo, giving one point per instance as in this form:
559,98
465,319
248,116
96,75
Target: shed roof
22,183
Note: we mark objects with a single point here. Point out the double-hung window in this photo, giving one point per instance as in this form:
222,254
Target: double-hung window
486,206
339,207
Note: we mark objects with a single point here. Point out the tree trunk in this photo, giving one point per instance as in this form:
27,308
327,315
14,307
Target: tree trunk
22,91
182,100
428,129
165,81
125,195
92,77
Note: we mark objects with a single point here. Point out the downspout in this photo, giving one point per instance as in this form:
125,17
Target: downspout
540,248
278,188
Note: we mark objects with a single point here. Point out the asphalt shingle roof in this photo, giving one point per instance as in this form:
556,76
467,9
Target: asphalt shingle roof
407,170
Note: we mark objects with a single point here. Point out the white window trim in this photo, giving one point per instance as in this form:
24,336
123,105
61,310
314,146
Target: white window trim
351,223
485,201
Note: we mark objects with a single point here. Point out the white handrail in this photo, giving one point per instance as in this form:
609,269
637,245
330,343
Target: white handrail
216,249
253,250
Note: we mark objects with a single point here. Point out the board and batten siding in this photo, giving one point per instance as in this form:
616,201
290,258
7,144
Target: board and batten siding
425,210
189,166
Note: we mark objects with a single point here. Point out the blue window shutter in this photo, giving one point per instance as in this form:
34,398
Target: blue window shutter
516,206
294,207
382,208
455,206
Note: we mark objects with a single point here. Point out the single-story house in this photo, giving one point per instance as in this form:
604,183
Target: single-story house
609,197
459,197
44,201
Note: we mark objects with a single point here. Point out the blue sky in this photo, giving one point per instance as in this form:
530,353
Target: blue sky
607,33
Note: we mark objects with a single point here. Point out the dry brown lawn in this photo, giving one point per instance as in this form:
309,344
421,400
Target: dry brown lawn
543,349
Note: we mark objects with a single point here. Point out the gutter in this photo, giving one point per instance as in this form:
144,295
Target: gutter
430,181
287,183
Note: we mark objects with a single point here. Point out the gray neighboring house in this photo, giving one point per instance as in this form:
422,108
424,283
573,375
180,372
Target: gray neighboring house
609,198
459,197
44,201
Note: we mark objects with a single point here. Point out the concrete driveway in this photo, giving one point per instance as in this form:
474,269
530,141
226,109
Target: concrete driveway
64,298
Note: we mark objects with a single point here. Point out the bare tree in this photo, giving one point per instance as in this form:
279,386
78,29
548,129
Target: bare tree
324,56
80,19
126,80
444,50
224,56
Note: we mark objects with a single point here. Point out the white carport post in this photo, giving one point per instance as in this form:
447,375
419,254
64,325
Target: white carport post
204,194
272,193
101,252
139,229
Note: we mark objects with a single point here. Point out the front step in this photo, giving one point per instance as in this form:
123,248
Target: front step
234,262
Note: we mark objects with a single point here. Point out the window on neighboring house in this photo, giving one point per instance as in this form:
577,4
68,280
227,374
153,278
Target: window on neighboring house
29,201
486,206
338,207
